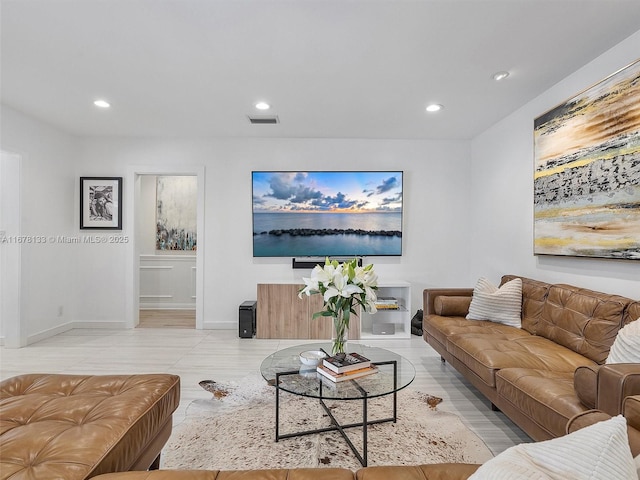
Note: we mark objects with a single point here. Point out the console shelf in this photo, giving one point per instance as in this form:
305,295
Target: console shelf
281,314
394,323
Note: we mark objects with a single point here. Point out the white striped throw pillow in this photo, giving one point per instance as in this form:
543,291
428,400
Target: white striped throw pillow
598,452
626,346
501,305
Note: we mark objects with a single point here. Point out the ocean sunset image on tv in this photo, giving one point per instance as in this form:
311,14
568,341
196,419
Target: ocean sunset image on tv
327,213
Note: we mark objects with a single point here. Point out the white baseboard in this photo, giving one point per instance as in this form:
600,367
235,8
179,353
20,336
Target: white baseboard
165,306
119,324
116,324
50,332
220,325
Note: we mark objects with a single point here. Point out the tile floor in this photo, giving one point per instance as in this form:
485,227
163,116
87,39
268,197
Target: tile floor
220,355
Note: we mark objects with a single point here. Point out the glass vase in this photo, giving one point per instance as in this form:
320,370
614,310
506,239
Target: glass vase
340,334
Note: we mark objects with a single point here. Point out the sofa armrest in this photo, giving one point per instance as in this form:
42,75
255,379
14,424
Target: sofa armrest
630,410
584,419
585,383
606,386
616,381
430,294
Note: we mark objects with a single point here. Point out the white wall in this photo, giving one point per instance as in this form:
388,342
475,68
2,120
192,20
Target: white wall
48,209
468,211
502,192
168,282
436,186
11,331
146,220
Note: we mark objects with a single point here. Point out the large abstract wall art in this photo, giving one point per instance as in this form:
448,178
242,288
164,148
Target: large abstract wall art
176,220
587,172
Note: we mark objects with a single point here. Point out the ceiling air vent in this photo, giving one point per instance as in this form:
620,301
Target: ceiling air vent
263,119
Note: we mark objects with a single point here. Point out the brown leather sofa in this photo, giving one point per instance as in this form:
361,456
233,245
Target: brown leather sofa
552,368
444,471
79,426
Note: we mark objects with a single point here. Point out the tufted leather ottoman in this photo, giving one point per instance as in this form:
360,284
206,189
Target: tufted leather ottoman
78,426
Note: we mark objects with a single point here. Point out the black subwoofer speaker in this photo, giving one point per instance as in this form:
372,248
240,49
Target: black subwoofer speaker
247,319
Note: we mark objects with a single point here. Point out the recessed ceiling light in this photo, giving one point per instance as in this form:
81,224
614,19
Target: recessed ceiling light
263,106
434,107
500,76
102,104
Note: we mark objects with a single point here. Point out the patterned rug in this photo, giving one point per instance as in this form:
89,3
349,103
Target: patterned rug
235,430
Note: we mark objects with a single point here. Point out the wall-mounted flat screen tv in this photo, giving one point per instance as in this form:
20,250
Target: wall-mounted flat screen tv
329,213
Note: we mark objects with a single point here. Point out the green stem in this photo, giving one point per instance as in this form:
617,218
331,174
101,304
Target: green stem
341,326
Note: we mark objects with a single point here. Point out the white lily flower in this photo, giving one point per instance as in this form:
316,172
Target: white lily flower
311,286
325,275
370,307
370,294
342,286
330,293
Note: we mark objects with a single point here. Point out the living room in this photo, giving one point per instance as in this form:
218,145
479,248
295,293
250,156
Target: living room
468,201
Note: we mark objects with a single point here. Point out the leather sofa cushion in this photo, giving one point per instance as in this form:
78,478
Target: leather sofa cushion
76,426
452,306
485,354
583,320
441,328
534,293
547,397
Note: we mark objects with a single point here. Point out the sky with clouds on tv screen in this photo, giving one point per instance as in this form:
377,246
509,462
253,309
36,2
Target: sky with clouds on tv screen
327,192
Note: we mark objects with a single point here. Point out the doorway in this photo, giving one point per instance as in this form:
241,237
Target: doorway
167,241
154,300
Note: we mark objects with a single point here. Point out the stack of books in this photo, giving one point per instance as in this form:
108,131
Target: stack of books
347,366
387,303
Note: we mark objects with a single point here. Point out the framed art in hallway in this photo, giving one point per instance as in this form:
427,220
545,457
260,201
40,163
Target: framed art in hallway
587,172
101,203
176,213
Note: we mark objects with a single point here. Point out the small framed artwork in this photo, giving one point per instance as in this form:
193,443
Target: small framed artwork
101,203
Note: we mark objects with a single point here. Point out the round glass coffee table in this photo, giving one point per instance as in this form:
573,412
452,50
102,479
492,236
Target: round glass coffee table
284,370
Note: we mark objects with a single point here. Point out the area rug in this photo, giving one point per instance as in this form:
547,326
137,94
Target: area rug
235,430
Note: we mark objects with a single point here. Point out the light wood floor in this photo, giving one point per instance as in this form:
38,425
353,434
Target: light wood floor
164,318
220,355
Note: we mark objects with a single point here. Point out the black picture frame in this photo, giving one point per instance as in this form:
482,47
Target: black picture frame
101,203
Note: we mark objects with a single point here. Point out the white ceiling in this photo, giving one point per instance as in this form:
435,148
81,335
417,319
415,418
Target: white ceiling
330,68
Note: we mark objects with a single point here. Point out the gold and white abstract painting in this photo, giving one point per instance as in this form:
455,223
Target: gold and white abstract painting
587,172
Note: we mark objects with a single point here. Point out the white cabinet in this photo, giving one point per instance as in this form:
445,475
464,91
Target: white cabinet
389,323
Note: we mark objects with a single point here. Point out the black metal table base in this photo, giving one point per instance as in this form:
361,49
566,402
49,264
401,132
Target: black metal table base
335,424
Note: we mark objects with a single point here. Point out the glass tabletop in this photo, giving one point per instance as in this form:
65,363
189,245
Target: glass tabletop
300,379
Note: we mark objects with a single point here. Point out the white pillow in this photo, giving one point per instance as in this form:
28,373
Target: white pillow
637,462
599,451
626,346
502,305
